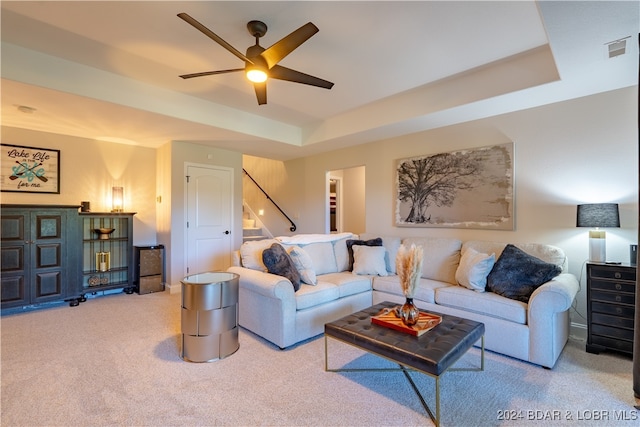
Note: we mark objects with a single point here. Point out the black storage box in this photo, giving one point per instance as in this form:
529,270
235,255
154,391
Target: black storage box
149,269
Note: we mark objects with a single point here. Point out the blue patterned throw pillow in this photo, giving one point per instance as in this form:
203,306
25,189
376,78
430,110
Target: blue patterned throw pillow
516,274
278,261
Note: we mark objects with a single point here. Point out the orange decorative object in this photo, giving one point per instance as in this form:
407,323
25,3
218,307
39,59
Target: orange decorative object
389,319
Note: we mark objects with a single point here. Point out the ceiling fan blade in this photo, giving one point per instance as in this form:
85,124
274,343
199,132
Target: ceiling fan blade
261,92
282,73
213,36
288,44
210,73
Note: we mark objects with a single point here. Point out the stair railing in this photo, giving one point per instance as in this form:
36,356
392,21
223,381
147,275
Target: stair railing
293,226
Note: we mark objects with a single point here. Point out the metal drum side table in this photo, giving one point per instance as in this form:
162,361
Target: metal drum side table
209,316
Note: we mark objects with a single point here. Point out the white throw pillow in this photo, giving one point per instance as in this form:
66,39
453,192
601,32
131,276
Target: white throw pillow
369,260
474,268
303,263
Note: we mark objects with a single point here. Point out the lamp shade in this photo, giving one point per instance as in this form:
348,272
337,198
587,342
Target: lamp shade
598,215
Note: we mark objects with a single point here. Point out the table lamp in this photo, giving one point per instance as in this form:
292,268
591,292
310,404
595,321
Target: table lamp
598,215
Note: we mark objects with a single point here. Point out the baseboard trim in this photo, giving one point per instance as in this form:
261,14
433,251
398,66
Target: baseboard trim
578,331
174,288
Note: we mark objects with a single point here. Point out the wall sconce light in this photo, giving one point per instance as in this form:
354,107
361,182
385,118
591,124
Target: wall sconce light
117,199
598,215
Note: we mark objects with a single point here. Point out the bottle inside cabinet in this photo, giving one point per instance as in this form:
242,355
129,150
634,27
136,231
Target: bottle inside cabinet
107,252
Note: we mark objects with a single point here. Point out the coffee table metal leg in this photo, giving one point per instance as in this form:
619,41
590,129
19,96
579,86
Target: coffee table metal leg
435,417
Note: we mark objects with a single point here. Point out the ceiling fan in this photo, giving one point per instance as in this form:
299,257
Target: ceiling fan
260,63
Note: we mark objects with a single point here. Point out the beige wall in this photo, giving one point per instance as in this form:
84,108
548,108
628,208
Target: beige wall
354,213
282,184
580,151
88,170
173,158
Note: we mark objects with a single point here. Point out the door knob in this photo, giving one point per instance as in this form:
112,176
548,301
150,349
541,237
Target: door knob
226,232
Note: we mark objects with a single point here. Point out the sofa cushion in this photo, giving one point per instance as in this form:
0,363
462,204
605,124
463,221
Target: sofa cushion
485,303
474,268
441,257
303,263
369,260
342,254
251,253
357,242
310,296
548,253
328,251
517,274
347,282
425,291
278,261
322,256
391,244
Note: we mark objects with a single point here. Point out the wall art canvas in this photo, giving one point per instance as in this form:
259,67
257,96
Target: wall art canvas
461,189
29,169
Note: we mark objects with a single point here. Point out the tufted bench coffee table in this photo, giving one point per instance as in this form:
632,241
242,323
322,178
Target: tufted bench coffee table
433,353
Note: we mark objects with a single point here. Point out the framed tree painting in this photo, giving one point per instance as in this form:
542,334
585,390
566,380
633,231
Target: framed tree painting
461,189
29,169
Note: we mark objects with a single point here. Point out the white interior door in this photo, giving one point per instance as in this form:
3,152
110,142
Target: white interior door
209,204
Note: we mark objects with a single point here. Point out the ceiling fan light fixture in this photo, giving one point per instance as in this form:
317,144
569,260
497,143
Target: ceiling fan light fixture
261,64
256,75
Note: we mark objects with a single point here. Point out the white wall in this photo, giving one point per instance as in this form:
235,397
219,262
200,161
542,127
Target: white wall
580,151
88,170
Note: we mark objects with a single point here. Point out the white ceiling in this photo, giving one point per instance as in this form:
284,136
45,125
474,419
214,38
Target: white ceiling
109,70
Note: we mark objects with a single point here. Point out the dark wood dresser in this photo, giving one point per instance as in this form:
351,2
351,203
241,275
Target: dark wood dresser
610,307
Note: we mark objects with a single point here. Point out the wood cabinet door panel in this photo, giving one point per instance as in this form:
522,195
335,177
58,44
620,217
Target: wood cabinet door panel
49,256
48,286
48,227
13,291
12,258
12,228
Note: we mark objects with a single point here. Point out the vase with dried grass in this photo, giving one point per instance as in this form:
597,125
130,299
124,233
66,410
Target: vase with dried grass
409,269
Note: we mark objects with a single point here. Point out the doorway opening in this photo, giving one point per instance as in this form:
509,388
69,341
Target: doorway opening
335,211
345,202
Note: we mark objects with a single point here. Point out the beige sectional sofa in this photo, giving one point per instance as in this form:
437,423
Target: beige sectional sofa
535,331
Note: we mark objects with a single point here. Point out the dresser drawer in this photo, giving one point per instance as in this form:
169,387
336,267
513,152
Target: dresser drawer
612,332
615,344
625,311
617,297
615,321
605,272
613,286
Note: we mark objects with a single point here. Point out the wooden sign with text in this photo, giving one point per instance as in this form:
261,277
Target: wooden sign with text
29,169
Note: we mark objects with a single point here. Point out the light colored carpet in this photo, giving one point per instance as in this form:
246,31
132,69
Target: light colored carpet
115,361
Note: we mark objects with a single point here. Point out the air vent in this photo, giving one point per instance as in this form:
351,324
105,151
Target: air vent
617,47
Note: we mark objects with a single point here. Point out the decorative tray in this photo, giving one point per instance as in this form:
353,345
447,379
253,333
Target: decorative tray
389,319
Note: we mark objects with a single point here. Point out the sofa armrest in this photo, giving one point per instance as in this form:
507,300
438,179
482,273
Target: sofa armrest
267,284
236,259
555,296
548,318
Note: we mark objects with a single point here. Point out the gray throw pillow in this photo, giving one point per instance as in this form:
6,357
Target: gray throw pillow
372,242
516,274
278,261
